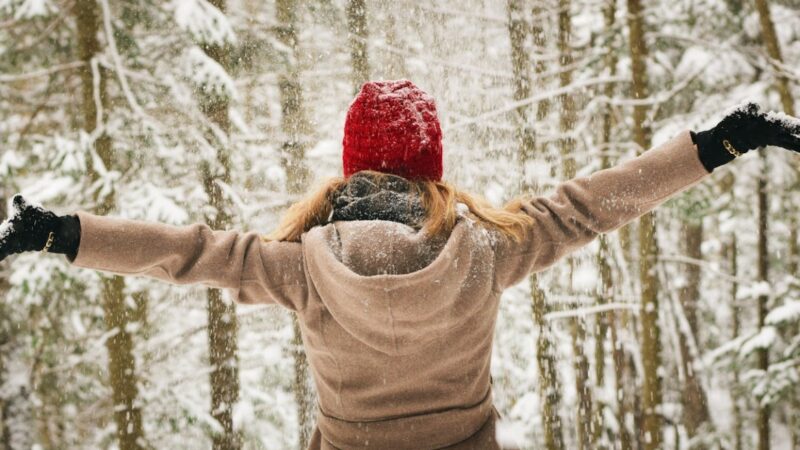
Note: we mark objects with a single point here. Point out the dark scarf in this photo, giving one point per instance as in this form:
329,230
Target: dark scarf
385,197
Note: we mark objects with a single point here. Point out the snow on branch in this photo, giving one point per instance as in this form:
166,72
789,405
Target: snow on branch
11,78
208,75
512,106
205,22
28,9
787,313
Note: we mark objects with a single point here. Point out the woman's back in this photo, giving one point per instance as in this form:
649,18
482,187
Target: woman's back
407,350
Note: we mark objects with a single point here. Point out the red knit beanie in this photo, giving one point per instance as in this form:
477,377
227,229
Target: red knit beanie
392,127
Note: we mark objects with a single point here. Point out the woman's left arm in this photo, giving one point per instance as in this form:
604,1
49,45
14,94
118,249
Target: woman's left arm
584,207
255,271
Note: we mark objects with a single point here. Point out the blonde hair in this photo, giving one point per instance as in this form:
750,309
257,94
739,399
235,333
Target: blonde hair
439,199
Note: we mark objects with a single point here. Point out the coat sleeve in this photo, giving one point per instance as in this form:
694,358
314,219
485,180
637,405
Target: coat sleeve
254,271
584,207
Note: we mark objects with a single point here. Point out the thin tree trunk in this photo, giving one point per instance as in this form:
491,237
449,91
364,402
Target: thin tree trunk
223,325
606,291
539,38
520,62
295,130
648,249
695,403
549,386
357,34
620,376
762,423
737,410
774,52
770,39
583,417
5,337
121,361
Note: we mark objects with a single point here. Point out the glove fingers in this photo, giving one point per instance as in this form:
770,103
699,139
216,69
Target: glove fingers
782,123
19,202
789,142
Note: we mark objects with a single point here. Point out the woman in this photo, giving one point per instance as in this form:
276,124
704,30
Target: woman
395,276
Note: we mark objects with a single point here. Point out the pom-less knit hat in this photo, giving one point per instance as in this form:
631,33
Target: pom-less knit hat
392,127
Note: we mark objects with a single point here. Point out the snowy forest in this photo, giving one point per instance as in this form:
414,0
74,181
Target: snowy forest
679,331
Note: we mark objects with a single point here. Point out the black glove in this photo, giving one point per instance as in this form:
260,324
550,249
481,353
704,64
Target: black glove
745,129
28,228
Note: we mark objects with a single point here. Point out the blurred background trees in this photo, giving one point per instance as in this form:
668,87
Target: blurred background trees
680,331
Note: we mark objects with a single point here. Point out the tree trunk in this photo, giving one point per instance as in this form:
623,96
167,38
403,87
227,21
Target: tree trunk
770,39
549,387
620,376
520,62
763,276
695,403
357,37
223,325
737,410
121,361
567,119
295,130
540,45
5,338
549,384
606,291
774,52
648,249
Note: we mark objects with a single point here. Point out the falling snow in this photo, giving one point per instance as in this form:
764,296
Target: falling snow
198,121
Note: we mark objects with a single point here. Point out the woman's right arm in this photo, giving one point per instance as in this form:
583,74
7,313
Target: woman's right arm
584,207
255,271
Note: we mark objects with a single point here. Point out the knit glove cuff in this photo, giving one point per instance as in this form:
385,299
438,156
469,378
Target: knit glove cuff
710,149
67,236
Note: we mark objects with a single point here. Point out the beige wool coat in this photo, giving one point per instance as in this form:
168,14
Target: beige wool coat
397,326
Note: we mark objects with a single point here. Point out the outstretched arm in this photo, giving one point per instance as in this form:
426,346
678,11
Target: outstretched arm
584,207
255,271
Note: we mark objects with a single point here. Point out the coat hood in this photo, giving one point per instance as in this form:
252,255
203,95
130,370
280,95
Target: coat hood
395,288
